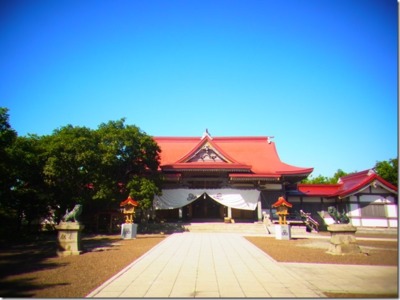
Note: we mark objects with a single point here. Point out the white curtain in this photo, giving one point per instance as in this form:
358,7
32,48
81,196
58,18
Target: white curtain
235,198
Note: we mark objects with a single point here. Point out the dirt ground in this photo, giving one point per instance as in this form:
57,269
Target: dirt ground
34,270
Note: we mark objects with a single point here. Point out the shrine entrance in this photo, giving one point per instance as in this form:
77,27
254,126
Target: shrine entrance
206,208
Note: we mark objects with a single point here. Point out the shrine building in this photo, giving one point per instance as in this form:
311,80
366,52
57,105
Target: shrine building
239,178
212,178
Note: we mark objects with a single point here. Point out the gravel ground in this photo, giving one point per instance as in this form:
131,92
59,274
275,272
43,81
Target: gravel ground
33,270
381,253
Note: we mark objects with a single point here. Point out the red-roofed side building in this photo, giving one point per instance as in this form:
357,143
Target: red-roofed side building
366,198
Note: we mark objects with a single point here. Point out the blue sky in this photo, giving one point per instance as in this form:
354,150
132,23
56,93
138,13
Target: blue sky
320,76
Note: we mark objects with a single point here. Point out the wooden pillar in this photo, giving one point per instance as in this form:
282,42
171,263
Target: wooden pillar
259,211
229,212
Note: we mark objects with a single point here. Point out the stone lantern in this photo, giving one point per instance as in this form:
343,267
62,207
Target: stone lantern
282,230
129,229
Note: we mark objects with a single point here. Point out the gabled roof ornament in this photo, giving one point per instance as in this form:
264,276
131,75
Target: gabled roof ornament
206,134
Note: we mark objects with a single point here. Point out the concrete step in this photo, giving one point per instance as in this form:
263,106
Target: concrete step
242,228
226,227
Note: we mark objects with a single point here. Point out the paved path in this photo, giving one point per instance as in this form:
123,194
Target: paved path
227,265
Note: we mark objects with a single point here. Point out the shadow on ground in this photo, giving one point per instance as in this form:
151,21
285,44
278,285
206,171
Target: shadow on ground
19,261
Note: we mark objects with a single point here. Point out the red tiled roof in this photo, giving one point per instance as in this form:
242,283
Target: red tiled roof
254,155
318,189
346,186
282,202
130,201
358,181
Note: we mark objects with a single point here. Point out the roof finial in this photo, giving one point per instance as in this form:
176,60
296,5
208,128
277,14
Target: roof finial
206,134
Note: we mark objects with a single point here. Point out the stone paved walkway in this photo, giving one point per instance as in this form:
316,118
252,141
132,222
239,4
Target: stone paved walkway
227,265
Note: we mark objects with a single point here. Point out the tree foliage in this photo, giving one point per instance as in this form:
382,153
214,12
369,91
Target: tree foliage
70,166
29,198
97,168
326,180
388,170
130,161
7,139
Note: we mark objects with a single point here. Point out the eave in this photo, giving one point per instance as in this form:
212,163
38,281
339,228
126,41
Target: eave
301,172
205,167
252,177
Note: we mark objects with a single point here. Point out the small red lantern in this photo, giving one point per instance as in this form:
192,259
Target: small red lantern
129,209
282,209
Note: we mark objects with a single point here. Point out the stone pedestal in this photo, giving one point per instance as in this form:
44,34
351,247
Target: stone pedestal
343,239
69,238
283,232
128,230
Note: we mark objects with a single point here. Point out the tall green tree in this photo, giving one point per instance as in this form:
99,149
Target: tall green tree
71,166
130,161
100,168
7,139
96,168
388,170
23,195
30,200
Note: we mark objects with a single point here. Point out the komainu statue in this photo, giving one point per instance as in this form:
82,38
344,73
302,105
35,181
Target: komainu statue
338,217
73,215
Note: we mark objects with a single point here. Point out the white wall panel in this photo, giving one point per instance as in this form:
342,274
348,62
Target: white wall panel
293,199
354,210
371,198
311,200
374,222
356,222
391,210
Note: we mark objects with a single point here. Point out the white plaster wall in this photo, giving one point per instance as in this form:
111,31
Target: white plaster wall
353,198
378,189
355,222
391,210
311,200
292,199
393,223
354,210
328,220
273,186
372,198
391,199
375,222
